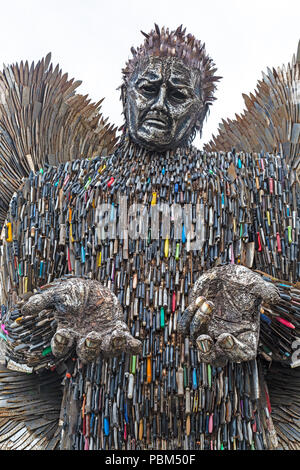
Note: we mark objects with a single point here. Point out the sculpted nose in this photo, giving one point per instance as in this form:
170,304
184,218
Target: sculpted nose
161,99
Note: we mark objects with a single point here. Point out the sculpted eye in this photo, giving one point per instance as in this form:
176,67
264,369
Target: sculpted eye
149,89
177,95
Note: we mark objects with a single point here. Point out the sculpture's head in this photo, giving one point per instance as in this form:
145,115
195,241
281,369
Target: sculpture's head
167,89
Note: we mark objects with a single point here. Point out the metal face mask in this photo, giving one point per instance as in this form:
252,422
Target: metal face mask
163,103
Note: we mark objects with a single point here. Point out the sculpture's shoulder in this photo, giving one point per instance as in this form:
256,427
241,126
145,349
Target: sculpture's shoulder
72,178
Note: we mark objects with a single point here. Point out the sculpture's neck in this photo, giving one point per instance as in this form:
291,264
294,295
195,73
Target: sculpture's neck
130,151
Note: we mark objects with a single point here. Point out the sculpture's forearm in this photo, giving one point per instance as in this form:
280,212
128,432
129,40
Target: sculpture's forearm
280,324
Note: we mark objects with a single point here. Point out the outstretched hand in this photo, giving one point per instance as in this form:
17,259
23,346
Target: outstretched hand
89,317
223,315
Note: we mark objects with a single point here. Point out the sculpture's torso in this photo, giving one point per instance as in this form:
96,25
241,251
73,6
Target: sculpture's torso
165,398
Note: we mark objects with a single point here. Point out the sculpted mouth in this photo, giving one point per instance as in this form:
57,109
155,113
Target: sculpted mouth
156,121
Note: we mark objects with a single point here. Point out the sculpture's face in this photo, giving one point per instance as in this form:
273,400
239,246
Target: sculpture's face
163,103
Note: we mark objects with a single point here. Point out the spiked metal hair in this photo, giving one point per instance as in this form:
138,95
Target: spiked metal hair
163,43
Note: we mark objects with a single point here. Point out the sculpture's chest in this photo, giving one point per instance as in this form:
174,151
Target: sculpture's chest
166,221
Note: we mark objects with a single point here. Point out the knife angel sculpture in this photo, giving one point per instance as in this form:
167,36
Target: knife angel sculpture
187,335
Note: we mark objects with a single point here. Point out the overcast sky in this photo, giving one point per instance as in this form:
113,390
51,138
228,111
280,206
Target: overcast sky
91,40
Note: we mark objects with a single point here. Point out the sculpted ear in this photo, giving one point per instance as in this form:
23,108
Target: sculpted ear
123,95
201,117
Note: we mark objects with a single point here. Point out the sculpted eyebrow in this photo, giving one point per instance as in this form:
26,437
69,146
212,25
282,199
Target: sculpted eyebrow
142,81
149,77
180,81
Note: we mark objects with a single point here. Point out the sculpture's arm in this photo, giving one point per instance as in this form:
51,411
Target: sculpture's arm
280,324
275,328
42,247
68,314
279,351
282,402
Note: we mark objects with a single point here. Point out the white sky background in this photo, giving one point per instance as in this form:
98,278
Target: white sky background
91,40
